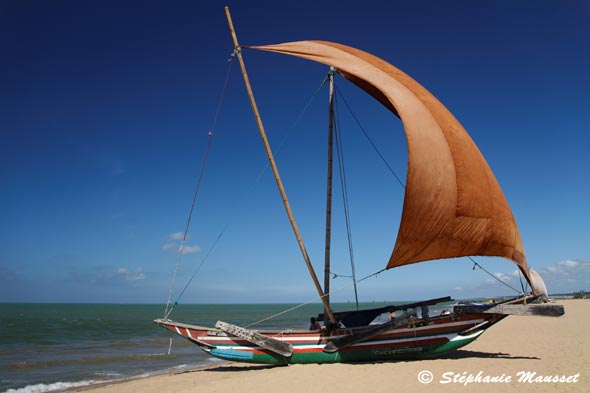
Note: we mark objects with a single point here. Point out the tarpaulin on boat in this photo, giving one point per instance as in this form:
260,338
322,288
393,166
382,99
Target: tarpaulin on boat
453,204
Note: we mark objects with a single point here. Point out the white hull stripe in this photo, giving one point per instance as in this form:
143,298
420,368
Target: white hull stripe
474,335
287,338
449,337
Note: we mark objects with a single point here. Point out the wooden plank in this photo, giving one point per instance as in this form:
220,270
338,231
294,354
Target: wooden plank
543,310
272,344
365,334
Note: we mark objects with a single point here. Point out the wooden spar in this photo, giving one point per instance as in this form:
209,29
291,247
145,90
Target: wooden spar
274,168
543,310
272,344
329,191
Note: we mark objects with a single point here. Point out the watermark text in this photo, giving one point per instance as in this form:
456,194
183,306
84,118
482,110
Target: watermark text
523,377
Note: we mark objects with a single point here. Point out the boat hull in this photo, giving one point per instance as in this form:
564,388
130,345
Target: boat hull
409,341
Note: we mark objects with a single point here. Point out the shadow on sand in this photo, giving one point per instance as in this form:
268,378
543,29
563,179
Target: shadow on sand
463,354
458,354
253,367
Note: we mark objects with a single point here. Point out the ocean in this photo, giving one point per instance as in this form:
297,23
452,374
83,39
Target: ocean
48,347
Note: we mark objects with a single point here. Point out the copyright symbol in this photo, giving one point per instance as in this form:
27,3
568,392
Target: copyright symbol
425,376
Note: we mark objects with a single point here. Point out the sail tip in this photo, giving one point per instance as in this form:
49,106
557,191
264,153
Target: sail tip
538,285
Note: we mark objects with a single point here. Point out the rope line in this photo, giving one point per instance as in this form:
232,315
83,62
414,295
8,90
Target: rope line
524,285
195,272
316,299
344,191
475,264
184,237
336,275
292,127
401,183
169,308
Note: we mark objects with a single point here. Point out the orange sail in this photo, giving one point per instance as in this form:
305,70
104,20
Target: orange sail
453,204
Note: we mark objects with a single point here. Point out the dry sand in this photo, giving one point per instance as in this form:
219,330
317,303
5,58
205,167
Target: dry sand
544,346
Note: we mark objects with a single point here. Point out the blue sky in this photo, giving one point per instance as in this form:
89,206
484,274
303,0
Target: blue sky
105,110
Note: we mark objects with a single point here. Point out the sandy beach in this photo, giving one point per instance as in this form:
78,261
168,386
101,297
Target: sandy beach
515,355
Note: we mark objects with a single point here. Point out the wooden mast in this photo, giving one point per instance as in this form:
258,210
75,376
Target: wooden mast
275,169
329,191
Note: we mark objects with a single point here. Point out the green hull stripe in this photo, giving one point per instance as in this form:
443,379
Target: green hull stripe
360,355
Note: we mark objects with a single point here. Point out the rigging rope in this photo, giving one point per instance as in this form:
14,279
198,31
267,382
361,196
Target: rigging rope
170,308
344,190
403,185
313,300
336,275
522,285
184,237
195,273
292,127
475,264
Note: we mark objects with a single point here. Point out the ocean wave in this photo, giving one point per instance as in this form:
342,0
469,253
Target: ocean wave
107,374
61,386
90,360
51,387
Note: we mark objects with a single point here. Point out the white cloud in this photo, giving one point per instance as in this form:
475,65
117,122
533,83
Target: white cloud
176,236
125,274
569,263
173,244
562,277
568,268
567,276
107,275
170,247
499,277
175,248
191,249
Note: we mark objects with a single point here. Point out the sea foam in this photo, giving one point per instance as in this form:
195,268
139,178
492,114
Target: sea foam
51,387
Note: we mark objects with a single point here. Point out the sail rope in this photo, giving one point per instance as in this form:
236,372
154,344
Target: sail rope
354,281
522,285
475,264
314,300
401,183
356,119
292,127
336,275
169,307
318,298
195,273
344,190
203,163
